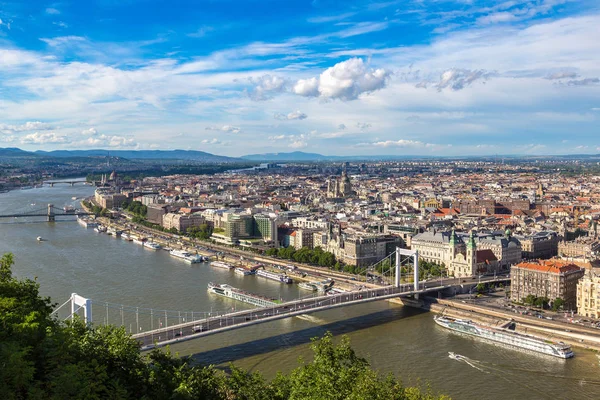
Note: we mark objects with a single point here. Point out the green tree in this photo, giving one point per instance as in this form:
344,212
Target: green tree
558,304
530,299
480,288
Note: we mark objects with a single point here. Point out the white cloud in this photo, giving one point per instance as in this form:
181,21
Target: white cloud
224,128
43,138
457,78
298,144
106,141
60,24
27,126
266,86
277,137
90,132
211,141
341,126
52,11
293,115
363,125
402,143
346,80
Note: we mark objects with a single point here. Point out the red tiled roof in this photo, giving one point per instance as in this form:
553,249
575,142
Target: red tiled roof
552,266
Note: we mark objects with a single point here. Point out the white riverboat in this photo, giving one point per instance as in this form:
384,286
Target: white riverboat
86,222
151,246
220,264
244,271
187,256
274,276
507,337
238,294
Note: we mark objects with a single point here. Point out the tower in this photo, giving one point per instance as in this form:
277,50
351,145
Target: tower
472,252
452,243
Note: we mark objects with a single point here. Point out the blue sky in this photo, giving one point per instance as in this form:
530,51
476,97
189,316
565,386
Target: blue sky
431,77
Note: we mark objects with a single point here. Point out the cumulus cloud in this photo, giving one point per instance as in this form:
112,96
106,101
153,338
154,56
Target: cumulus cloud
52,11
341,127
458,78
402,143
224,128
106,141
27,126
277,137
211,141
293,115
266,86
345,81
298,144
89,132
363,125
43,138
584,82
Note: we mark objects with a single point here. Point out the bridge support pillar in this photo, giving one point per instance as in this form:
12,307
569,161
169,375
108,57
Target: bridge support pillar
397,280
72,183
416,270
51,184
77,300
51,213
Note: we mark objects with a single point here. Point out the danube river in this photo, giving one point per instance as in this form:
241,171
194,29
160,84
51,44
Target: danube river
394,339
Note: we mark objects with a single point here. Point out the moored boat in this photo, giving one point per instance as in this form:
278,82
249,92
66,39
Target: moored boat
220,264
274,276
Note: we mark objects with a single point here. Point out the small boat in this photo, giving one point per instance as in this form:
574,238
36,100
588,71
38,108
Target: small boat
74,198
455,356
39,239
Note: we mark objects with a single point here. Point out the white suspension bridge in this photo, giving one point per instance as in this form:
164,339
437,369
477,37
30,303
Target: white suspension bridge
160,327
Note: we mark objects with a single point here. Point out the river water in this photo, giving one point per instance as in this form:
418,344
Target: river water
395,339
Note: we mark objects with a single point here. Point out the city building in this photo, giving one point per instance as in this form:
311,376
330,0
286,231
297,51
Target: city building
364,251
588,295
450,250
540,245
582,248
506,248
182,222
155,213
551,279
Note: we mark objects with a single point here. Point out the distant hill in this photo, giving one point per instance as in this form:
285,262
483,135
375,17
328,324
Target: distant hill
293,156
189,155
14,152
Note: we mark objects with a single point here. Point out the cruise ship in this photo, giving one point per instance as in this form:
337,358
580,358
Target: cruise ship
220,264
187,256
507,337
238,294
274,276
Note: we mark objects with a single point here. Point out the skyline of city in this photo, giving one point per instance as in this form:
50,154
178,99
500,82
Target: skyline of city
347,78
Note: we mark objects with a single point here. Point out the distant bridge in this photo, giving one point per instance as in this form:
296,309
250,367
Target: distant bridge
50,212
72,183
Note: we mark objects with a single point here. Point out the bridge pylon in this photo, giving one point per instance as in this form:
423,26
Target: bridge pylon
51,217
82,302
415,256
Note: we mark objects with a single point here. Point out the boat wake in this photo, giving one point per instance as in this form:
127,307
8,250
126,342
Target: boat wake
473,363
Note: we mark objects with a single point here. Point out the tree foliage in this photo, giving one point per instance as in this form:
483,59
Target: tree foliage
42,358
